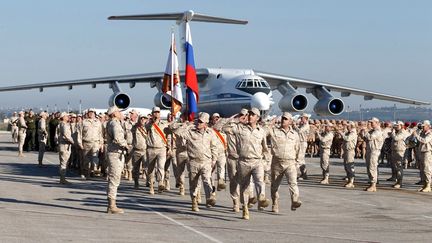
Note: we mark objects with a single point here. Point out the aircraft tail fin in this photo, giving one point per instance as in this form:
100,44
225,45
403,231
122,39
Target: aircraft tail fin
180,17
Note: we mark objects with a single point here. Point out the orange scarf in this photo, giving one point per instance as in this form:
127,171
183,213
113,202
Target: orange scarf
221,138
161,134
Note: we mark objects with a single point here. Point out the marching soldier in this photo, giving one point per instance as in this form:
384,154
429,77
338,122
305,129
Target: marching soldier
139,148
202,153
303,131
117,147
251,145
374,141
42,136
398,148
326,140
156,150
425,149
348,146
221,158
65,142
22,127
285,144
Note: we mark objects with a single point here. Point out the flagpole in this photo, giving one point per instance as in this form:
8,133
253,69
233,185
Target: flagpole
172,71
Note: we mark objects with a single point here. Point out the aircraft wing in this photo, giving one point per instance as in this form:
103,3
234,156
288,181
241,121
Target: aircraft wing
275,80
131,79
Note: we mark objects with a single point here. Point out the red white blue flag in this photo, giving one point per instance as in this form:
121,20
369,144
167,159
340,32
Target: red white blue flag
190,78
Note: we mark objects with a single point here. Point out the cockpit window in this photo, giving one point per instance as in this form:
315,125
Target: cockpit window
252,83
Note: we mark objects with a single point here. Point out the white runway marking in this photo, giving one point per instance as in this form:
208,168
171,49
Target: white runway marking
183,225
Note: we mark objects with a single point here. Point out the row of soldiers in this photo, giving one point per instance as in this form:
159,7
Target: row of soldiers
234,143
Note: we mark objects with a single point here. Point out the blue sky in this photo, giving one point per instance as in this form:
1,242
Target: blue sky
384,46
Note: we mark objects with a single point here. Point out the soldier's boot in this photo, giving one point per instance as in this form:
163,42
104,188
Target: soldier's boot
63,180
325,180
371,188
397,185
295,205
167,185
221,185
112,207
303,172
136,183
198,196
236,206
245,212
129,175
426,188
266,179
161,187
211,202
252,201
263,203
275,205
181,190
151,187
195,204
350,183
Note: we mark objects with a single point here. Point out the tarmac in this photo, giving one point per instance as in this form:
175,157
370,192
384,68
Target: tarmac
34,207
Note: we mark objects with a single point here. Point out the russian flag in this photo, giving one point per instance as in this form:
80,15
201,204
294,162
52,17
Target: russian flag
191,81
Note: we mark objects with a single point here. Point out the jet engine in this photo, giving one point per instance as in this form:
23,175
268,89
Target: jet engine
329,106
162,101
119,99
293,102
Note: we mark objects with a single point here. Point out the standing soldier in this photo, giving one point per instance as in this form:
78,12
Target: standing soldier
139,148
303,131
374,141
74,158
251,145
285,150
398,148
326,140
156,150
31,131
22,127
117,146
221,148
91,142
42,136
425,149
202,153
65,142
349,146
13,122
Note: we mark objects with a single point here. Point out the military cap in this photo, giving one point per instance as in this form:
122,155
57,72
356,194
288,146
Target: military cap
244,111
155,109
255,111
112,109
426,123
91,110
305,115
374,119
63,114
215,115
204,117
287,115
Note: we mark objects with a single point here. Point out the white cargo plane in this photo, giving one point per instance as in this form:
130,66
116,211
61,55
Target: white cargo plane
226,91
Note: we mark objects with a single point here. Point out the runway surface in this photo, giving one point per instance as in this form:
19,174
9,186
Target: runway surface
34,207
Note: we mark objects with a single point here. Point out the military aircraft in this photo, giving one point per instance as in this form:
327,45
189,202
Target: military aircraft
226,91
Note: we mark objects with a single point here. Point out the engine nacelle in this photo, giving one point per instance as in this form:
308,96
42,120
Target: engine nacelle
293,102
329,106
162,101
121,100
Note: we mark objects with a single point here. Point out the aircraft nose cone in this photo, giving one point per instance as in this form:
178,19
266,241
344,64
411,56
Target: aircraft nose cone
261,101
